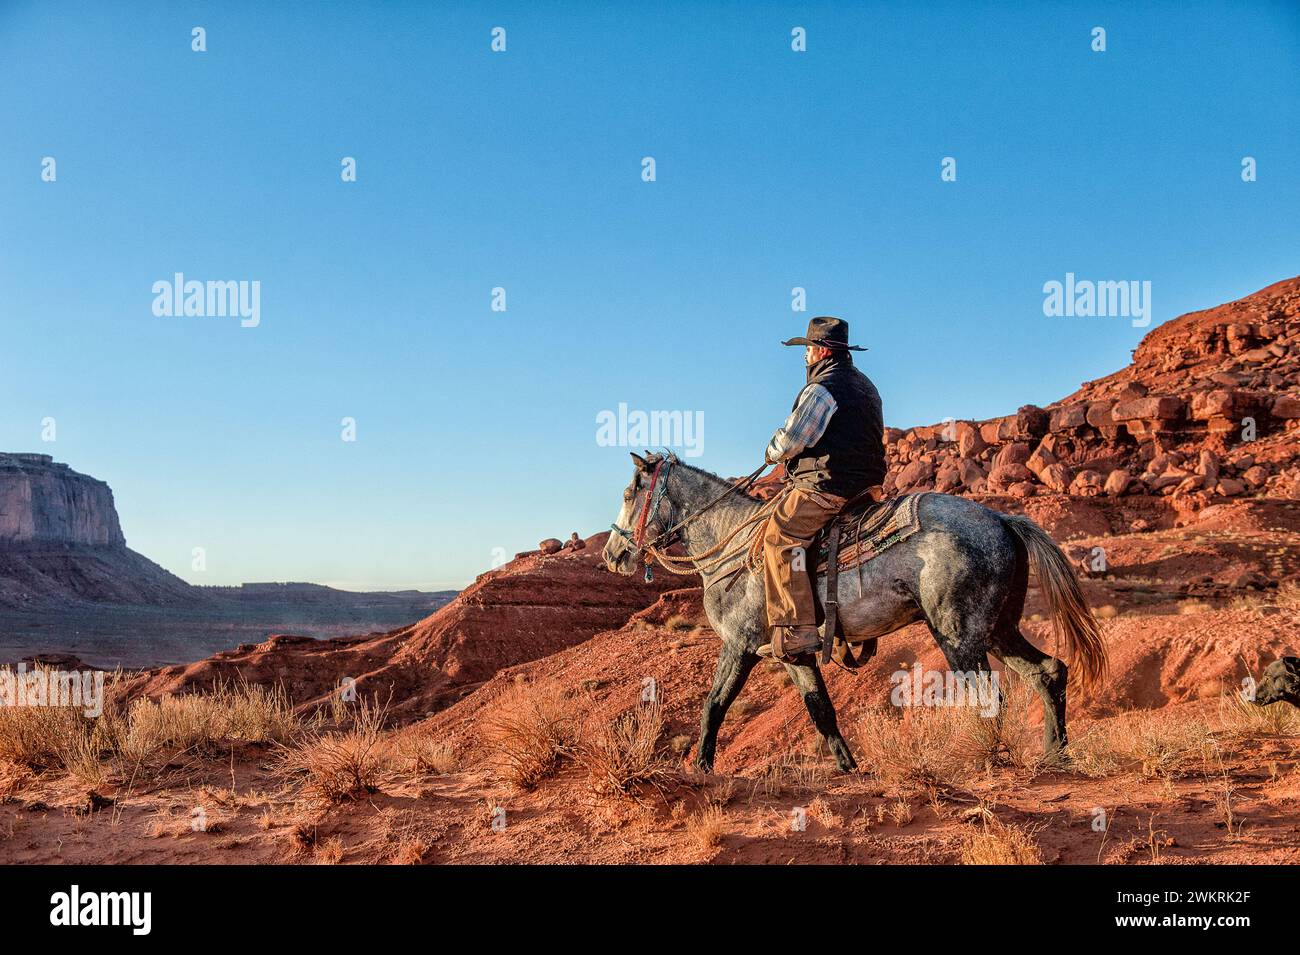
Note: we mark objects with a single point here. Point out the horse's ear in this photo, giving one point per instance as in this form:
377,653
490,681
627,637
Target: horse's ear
641,463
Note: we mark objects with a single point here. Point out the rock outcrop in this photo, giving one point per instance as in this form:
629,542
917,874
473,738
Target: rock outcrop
61,543
1209,409
43,501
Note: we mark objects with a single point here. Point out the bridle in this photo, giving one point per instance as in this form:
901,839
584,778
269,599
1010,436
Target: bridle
654,547
653,498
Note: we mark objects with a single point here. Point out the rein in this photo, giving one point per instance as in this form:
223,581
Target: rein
654,497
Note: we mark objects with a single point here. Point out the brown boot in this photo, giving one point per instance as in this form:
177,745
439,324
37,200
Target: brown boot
791,642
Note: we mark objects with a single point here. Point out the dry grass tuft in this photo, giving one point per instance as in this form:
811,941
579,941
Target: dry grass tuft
999,843
1005,740
1154,743
329,852
303,837
792,770
343,765
423,754
625,754
531,731
942,745
14,777
679,624
821,810
407,839
411,851
1287,596
706,829
49,737
201,722
1238,716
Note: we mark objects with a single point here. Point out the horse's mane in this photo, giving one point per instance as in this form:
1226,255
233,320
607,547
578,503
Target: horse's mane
720,483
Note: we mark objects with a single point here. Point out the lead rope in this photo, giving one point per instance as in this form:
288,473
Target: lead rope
699,563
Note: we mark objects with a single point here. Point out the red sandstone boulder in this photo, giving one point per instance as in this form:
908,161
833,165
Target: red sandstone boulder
1087,483
969,442
970,473
1208,467
1041,459
916,474
947,478
1057,477
1286,406
1008,474
1069,418
1219,403
1255,477
1099,414
1161,408
1117,482
1015,453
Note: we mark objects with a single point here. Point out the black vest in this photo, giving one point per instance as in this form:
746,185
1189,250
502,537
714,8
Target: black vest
850,456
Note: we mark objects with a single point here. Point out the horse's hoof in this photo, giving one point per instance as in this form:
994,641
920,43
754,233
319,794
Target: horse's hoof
699,778
1057,759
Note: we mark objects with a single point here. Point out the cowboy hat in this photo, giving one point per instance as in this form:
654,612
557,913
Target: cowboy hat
826,332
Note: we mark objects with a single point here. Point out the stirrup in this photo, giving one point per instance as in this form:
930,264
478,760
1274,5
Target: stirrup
777,649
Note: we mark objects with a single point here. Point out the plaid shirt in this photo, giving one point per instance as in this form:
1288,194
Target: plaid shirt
805,426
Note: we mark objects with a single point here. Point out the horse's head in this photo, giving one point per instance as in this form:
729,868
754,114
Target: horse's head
635,525
1281,682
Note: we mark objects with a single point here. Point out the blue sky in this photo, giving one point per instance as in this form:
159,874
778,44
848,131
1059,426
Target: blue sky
476,429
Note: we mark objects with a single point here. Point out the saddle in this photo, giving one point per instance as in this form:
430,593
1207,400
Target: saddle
865,526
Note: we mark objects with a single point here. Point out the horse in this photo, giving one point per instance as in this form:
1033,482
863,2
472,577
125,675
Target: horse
964,573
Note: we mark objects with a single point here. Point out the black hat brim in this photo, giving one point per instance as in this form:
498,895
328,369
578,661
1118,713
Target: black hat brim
822,344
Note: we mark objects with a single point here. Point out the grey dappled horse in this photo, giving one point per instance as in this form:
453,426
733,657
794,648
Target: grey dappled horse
964,573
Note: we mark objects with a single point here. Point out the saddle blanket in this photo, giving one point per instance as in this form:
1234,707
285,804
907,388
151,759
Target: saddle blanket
869,530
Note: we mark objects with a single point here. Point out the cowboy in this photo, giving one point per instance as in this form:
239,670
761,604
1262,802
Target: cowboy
833,449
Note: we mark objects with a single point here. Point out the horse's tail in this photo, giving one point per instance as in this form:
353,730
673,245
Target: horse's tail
1072,620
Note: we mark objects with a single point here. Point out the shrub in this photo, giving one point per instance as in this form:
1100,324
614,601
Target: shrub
999,843
530,732
624,754
346,764
1153,743
705,829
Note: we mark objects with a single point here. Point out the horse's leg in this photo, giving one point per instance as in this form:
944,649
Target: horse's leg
966,651
735,661
808,681
1046,674
963,630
